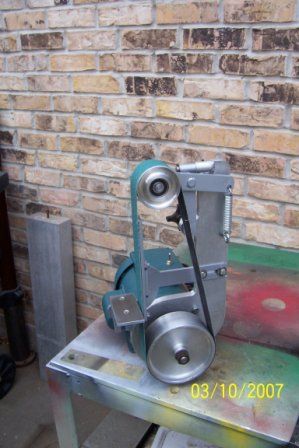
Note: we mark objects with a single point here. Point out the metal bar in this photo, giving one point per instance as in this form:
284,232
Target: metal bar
179,421
62,409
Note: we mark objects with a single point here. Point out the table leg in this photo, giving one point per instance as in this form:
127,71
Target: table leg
62,409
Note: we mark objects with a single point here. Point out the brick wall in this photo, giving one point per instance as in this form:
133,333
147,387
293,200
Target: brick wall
90,88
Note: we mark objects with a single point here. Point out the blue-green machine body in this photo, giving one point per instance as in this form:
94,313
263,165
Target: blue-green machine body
156,301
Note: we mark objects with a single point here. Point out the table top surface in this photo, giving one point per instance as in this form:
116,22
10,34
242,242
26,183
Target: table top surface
102,354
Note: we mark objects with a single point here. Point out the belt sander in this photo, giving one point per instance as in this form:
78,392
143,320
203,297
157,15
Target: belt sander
169,303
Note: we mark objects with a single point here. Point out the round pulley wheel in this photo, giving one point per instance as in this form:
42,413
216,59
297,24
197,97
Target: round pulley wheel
179,347
7,374
158,187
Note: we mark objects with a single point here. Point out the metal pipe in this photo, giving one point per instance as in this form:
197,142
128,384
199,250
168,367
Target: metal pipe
196,167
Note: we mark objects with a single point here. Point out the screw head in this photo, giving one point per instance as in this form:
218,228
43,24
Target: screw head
222,272
182,356
191,182
204,274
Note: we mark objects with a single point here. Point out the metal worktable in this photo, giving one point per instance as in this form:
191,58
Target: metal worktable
263,308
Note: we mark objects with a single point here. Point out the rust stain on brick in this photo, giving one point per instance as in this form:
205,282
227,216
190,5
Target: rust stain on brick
266,166
165,38
6,137
276,39
214,38
184,63
33,207
139,85
42,41
245,65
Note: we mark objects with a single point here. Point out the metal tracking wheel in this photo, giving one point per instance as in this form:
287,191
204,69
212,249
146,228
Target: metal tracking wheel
7,374
179,347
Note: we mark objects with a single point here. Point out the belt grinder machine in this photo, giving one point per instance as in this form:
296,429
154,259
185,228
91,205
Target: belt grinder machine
171,311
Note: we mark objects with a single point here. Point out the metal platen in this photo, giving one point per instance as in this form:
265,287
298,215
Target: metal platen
171,310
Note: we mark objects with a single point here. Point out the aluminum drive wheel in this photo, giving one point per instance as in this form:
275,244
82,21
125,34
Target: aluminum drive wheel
179,347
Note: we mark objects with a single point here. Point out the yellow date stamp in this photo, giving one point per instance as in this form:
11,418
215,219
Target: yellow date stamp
253,391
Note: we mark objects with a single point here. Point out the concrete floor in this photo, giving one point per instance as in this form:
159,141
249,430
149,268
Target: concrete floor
26,419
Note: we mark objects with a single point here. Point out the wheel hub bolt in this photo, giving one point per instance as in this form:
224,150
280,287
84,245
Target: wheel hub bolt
182,356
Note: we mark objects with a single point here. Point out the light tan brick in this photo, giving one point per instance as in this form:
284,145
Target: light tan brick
81,145
184,110
40,176
104,239
102,126
100,271
134,107
11,4
260,211
295,169
192,12
291,217
16,119
58,161
276,141
91,40
48,83
59,196
103,167
223,89
15,172
157,131
85,219
25,20
8,43
251,115
18,156
96,84
90,284
2,64
274,190
134,14
66,18
75,103
106,206
213,136
54,122
4,101
128,150
39,3
91,253
119,189
263,166
72,62
31,102
12,83
86,183
27,62
259,11
125,62
295,118
37,141
272,234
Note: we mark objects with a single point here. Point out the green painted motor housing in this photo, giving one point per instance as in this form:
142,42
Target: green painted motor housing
125,279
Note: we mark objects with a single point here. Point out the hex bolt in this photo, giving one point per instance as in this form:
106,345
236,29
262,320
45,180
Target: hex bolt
204,274
182,356
126,311
191,182
121,298
222,272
